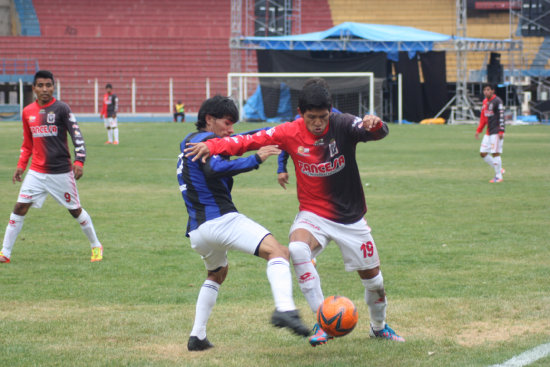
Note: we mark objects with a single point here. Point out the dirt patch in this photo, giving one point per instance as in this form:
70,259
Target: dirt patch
477,333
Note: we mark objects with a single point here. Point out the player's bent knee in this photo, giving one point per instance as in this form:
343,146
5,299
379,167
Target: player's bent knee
218,275
21,208
299,252
270,248
374,284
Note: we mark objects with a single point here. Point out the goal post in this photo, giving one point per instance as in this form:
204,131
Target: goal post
274,96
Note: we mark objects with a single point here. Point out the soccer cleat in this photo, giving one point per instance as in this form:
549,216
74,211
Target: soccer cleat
108,142
97,254
291,320
196,344
386,333
116,142
496,180
319,336
4,259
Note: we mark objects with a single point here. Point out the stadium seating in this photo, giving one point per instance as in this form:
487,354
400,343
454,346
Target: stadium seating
121,41
440,16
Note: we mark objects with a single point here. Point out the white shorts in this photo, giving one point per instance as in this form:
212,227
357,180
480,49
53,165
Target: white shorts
61,186
491,144
232,231
354,240
111,122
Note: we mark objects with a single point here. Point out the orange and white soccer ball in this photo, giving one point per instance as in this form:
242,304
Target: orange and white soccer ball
337,316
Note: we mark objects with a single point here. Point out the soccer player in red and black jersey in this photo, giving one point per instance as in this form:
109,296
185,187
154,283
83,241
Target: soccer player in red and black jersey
332,202
492,116
46,123
109,113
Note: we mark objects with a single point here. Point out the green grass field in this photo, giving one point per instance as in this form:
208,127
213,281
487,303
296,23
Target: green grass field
466,263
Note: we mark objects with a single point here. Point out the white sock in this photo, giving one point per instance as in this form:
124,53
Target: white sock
280,278
87,226
375,296
110,135
115,130
497,165
308,278
489,160
205,303
12,230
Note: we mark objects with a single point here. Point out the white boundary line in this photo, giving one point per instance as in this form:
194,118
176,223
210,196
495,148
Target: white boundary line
528,357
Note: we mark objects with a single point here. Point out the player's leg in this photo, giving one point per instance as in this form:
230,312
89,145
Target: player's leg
301,245
15,224
62,187
114,128
280,280
304,246
32,193
360,254
204,241
107,123
485,149
206,301
175,117
496,150
87,226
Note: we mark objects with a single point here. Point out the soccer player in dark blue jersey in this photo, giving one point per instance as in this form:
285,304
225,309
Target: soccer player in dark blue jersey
215,226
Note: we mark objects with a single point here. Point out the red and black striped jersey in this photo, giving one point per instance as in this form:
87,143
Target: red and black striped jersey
327,176
110,105
492,115
45,131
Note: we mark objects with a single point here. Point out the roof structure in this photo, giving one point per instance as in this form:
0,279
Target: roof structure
363,37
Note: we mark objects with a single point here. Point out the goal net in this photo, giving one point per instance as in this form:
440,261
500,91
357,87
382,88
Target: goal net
274,96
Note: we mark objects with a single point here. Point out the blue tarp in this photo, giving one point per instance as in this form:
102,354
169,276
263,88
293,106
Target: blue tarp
356,37
254,107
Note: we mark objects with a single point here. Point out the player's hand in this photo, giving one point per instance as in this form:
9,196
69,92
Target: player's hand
78,171
267,151
199,150
17,175
370,122
477,135
501,136
283,179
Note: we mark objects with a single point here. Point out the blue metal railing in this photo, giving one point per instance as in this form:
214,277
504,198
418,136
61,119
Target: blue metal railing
11,70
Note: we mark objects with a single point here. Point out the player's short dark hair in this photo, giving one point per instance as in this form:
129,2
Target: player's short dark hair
109,86
43,74
490,85
315,94
218,107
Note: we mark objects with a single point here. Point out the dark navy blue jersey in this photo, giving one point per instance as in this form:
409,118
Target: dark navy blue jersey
206,187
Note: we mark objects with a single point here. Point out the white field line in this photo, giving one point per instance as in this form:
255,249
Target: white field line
528,357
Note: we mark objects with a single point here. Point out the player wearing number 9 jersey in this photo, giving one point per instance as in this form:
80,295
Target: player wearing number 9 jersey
332,204
46,123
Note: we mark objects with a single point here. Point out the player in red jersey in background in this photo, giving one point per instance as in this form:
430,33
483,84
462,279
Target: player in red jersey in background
332,202
492,115
109,114
46,123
